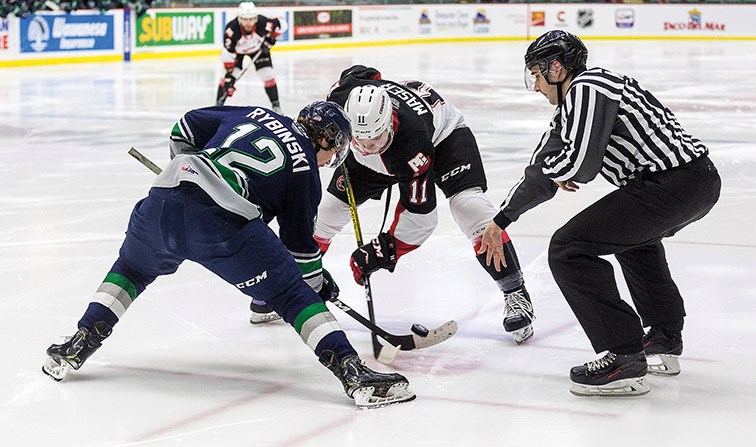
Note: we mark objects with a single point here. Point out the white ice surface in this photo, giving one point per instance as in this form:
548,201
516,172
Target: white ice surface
184,367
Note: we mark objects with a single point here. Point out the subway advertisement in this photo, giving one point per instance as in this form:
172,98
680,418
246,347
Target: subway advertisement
175,28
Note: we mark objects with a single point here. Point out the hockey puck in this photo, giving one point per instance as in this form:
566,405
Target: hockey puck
420,330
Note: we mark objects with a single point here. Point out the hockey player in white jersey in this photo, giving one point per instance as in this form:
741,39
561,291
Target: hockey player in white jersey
250,34
407,134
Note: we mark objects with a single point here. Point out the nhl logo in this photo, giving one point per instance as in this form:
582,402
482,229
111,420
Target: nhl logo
585,18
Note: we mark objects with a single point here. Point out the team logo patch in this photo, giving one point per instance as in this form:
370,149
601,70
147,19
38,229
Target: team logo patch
188,168
419,163
341,183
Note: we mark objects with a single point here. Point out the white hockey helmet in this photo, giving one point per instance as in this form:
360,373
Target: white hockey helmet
369,109
247,10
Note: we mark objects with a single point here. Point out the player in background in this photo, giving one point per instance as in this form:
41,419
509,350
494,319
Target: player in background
407,134
606,123
233,170
250,34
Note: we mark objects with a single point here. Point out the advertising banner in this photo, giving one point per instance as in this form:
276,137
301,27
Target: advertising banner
4,35
695,21
385,22
323,24
80,32
647,21
472,21
175,28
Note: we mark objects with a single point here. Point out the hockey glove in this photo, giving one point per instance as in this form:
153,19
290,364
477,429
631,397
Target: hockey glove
228,85
269,41
380,253
330,289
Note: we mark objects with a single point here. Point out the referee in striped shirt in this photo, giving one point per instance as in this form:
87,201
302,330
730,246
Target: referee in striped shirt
606,123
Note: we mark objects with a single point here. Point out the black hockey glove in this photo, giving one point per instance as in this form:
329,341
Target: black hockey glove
330,289
269,41
380,253
228,84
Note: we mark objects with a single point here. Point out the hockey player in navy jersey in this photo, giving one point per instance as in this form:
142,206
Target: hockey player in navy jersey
250,34
407,134
234,169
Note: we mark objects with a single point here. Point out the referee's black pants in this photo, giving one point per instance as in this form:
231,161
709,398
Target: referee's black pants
630,223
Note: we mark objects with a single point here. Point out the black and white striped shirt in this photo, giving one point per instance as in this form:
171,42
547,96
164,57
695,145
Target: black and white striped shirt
607,124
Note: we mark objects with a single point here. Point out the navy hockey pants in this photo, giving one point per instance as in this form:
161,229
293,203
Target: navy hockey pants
630,224
175,224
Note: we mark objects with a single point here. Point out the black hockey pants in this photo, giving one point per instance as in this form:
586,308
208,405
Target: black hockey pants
630,223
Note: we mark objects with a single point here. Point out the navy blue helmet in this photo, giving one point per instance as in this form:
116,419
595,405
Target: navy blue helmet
327,120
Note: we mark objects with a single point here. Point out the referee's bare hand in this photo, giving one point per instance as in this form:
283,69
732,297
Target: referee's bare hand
491,245
568,186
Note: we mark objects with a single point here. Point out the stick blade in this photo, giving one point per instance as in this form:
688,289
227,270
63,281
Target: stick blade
387,353
436,336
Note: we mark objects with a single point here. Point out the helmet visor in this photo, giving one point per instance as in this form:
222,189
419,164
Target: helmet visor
375,145
338,157
530,79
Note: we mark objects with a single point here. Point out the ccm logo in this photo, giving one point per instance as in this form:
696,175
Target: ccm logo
253,281
455,171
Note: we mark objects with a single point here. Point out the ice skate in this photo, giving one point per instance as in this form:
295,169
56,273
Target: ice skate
663,350
518,315
74,351
276,107
611,375
368,388
262,313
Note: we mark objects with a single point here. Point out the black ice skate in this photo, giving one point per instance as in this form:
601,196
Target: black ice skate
663,349
262,313
611,375
75,350
276,107
368,388
518,314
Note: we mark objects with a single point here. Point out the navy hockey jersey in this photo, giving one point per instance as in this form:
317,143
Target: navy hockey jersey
257,164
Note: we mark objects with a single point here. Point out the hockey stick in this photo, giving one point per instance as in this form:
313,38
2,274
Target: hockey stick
422,338
145,161
223,97
377,347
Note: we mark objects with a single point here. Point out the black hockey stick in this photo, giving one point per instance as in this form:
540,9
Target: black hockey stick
421,337
377,347
224,97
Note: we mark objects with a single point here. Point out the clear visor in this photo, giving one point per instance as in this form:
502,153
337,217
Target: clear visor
338,157
376,145
530,79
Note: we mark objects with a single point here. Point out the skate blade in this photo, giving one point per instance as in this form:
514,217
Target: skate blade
398,393
663,364
522,335
625,387
264,318
55,369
